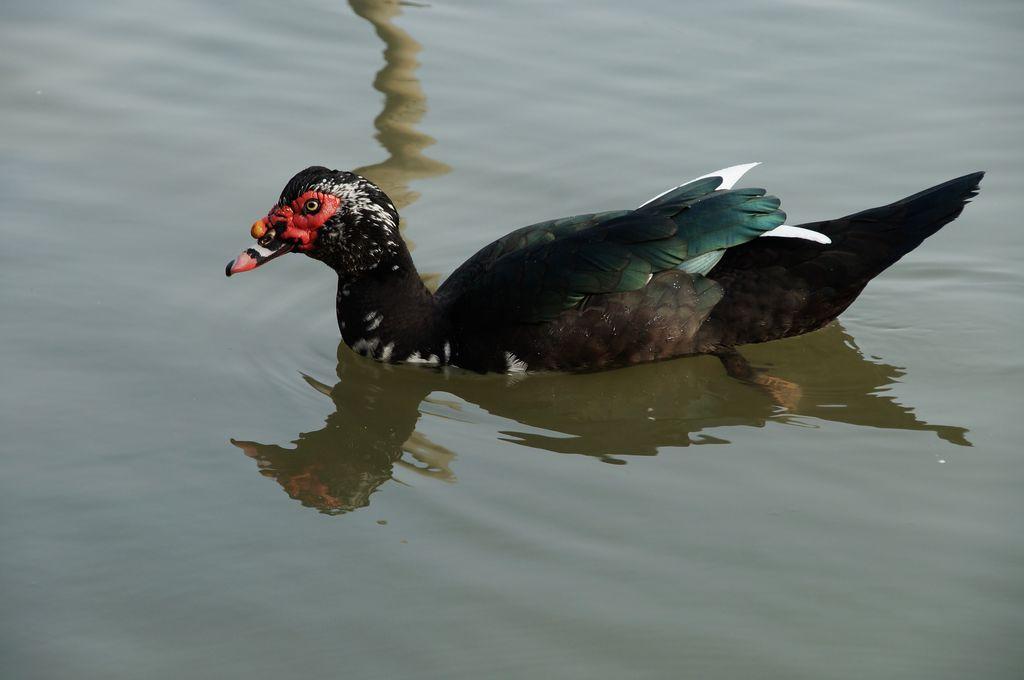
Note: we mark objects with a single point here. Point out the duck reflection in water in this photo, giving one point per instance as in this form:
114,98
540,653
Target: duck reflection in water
404,106
630,412
608,416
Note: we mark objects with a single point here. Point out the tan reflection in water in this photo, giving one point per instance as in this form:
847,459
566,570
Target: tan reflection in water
608,416
404,106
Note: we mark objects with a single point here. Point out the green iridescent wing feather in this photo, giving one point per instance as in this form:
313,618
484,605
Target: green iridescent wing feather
537,272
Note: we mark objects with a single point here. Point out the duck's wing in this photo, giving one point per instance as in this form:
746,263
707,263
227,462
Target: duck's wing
775,288
728,176
552,230
525,237
532,275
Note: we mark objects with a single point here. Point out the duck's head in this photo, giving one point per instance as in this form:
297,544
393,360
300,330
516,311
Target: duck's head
334,216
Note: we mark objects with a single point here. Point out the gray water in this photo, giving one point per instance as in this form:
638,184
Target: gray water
198,482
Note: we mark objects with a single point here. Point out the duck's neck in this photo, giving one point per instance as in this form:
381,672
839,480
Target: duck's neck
388,314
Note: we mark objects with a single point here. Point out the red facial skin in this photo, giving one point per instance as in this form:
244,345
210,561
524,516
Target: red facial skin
293,223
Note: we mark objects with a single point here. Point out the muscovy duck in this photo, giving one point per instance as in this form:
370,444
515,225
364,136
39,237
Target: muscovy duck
699,269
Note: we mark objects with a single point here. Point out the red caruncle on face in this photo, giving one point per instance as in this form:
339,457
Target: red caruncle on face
300,220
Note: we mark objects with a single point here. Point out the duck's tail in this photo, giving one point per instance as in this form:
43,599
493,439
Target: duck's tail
778,287
881,236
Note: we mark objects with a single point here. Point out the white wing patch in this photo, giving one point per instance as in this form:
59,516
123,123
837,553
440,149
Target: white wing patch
729,178
786,231
729,175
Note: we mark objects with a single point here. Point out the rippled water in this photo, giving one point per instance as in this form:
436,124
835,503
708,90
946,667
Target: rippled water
198,482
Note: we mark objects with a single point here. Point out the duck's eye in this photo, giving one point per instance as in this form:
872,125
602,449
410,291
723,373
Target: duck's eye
311,206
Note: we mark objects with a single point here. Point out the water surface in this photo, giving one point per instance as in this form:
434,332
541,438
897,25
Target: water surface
199,482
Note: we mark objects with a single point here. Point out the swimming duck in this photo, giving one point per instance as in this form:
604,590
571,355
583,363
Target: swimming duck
699,269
